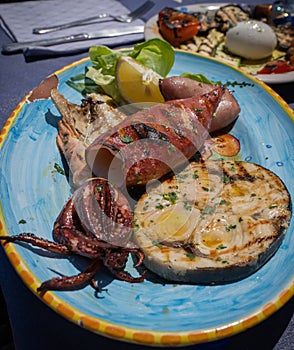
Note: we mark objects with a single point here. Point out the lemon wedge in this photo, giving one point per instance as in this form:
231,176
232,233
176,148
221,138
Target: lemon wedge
136,82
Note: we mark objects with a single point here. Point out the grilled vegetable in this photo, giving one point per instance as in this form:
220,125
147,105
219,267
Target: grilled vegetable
177,26
205,45
285,35
228,16
276,67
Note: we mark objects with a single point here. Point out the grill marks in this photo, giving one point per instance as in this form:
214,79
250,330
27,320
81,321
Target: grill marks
229,15
240,174
145,131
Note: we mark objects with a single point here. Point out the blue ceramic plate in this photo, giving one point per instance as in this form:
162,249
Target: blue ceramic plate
33,192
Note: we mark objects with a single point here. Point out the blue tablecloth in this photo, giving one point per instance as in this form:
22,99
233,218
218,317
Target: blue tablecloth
34,324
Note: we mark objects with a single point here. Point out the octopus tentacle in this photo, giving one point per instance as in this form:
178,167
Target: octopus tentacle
80,244
126,276
140,256
96,222
38,242
70,282
115,259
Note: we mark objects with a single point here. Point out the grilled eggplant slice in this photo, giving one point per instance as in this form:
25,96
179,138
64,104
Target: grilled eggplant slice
285,36
228,16
213,222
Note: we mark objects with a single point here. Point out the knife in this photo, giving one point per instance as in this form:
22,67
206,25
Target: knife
104,33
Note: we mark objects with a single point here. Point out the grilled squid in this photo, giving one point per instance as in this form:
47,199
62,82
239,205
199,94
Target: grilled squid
181,87
151,143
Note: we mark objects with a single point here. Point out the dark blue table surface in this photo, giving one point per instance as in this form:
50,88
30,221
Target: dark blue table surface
34,324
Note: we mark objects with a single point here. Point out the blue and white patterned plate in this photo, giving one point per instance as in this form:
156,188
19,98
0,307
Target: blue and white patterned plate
33,193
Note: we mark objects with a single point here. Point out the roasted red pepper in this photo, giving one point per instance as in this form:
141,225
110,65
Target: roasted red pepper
176,26
276,67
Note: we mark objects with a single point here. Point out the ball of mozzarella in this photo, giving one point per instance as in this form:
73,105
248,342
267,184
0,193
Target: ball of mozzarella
251,39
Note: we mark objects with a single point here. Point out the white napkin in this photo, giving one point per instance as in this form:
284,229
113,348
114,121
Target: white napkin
19,19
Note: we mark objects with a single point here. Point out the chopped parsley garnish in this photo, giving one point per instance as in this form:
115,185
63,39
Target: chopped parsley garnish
221,246
223,201
230,227
207,210
190,256
225,179
273,206
170,196
187,206
126,139
135,224
58,168
221,260
99,188
182,176
171,148
195,176
157,244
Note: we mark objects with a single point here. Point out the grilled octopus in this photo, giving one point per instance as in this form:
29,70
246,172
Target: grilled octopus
97,221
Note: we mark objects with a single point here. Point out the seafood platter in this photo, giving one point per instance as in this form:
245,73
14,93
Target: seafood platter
257,38
154,202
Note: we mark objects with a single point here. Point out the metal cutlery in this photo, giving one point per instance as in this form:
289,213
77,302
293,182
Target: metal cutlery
103,33
128,18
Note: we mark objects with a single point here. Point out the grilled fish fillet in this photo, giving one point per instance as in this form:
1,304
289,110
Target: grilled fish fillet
213,222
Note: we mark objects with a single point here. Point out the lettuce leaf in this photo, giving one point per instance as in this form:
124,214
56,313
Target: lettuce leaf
103,70
155,54
199,77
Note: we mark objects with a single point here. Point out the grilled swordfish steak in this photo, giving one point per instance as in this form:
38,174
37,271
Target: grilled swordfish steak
213,222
